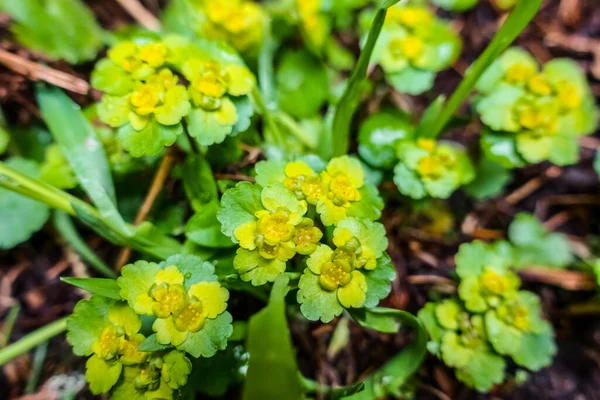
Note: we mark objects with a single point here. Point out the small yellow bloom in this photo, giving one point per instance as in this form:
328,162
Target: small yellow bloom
569,97
145,99
169,275
430,167
107,345
307,237
531,118
412,47
274,227
128,348
153,54
539,85
168,299
190,318
303,181
246,235
494,282
411,16
427,144
521,318
335,274
519,73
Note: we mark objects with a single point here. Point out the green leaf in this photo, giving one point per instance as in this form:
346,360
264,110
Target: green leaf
150,140
597,163
79,143
428,119
204,127
501,148
412,80
204,228
100,286
215,375
379,281
526,229
238,206
408,182
518,19
60,29
86,323
198,182
21,216
473,257
378,135
491,178
302,84
455,5
4,138
150,344
398,369
135,280
192,267
245,110
336,142
317,303
272,372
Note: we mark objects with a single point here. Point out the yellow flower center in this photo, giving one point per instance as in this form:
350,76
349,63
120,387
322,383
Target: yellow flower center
275,227
520,316
569,96
412,47
426,144
429,167
335,274
307,237
107,345
153,54
145,99
342,191
539,85
168,299
210,84
411,16
128,348
519,73
191,318
532,118
494,282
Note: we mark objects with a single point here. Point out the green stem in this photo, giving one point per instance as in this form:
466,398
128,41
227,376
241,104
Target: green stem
32,340
270,124
23,184
285,120
519,18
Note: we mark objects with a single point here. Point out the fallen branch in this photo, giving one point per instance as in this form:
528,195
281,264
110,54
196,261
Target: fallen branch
140,14
39,72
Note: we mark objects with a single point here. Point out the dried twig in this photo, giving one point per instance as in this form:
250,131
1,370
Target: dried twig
140,14
568,280
39,72
157,184
533,185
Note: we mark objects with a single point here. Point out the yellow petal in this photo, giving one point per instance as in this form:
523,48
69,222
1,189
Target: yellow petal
246,235
227,114
347,166
213,297
297,168
241,80
169,275
143,304
354,293
341,236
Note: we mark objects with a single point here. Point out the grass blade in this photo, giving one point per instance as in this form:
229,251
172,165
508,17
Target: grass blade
100,286
519,18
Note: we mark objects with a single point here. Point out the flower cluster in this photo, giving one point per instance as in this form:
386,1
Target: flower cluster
534,115
185,305
490,319
427,168
146,100
237,22
413,46
314,23
284,215
108,331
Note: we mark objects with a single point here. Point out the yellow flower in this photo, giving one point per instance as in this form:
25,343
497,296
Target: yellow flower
568,96
168,299
274,227
145,99
539,85
107,345
430,167
412,47
410,16
207,301
519,73
153,54
494,282
531,117
303,182
427,144
128,348
307,236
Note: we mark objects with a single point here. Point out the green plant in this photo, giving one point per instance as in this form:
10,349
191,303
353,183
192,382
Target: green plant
456,5
490,319
413,46
534,115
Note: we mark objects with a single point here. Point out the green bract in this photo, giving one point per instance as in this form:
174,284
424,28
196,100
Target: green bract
534,115
413,46
427,168
146,101
184,295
